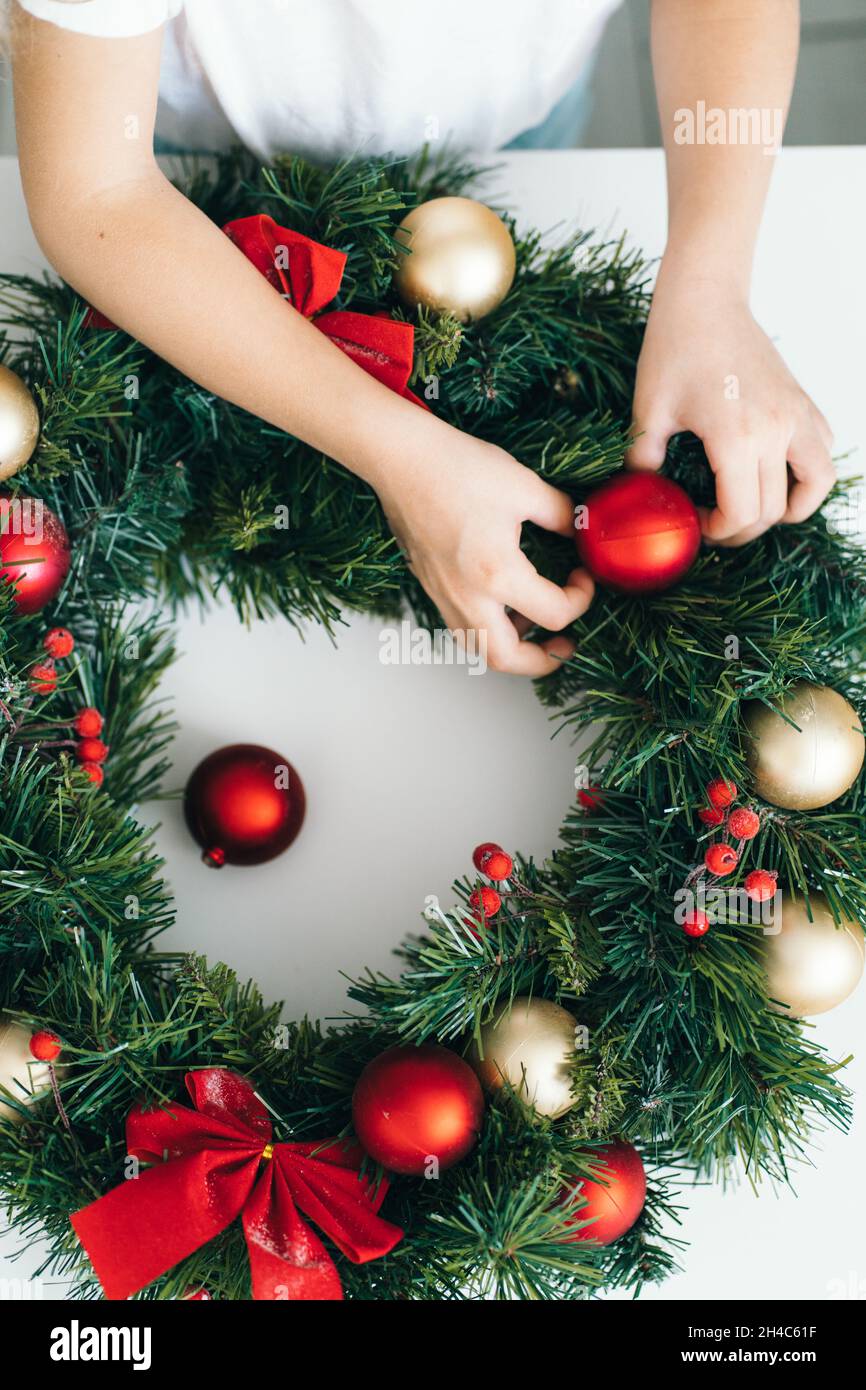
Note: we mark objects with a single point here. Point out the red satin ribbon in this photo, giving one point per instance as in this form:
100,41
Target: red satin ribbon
308,275
215,1163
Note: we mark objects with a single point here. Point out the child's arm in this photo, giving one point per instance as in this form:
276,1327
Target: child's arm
117,230
702,348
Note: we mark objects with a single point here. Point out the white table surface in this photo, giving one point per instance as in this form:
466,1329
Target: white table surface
398,761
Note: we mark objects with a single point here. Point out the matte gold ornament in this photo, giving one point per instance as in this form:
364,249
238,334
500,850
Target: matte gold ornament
20,1075
810,765
19,423
531,1047
812,965
461,257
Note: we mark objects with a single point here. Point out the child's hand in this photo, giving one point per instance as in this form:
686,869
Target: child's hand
457,511
707,367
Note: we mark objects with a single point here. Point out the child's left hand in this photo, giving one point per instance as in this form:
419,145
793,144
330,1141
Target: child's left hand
706,366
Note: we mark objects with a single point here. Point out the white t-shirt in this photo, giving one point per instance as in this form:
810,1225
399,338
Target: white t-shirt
332,77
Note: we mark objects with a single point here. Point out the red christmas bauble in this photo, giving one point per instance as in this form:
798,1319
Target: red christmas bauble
414,1104
244,804
34,551
616,1199
642,533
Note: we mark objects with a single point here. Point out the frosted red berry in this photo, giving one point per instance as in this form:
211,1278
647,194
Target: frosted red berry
43,678
215,857
485,902
696,922
721,794
760,884
94,772
88,722
91,750
45,1046
591,798
743,823
710,816
492,860
58,642
721,859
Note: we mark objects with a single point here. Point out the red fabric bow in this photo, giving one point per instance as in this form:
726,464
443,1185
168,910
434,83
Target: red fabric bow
308,275
211,1174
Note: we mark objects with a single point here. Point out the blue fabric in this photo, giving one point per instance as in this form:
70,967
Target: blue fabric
565,125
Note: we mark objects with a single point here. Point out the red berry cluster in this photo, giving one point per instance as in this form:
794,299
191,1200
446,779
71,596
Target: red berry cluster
492,861
90,751
741,824
57,643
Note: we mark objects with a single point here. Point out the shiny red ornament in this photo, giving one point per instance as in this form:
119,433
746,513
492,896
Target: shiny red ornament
244,804
721,794
91,750
413,1105
58,642
43,678
491,859
34,551
617,1199
744,823
721,859
696,922
45,1046
710,816
88,722
642,533
760,885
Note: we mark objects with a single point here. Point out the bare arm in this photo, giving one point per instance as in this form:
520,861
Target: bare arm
706,365
130,243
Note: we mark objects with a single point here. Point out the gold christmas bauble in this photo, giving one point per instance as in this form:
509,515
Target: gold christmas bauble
529,1046
810,765
21,1077
19,423
812,965
461,257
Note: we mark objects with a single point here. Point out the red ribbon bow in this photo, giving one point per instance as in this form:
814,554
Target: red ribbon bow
211,1173
308,275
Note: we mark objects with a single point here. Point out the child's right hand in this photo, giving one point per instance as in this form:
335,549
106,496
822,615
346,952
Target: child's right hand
456,508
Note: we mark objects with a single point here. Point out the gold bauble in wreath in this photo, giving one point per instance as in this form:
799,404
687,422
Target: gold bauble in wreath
812,965
21,1077
529,1046
19,423
803,767
460,258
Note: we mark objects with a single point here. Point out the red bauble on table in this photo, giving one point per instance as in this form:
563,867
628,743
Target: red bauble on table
616,1200
244,804
642,533
416,1104
34,551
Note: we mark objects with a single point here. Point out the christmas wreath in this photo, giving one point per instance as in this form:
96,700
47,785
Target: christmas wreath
507,1115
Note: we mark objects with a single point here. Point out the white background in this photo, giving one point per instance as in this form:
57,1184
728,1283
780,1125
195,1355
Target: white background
407,768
